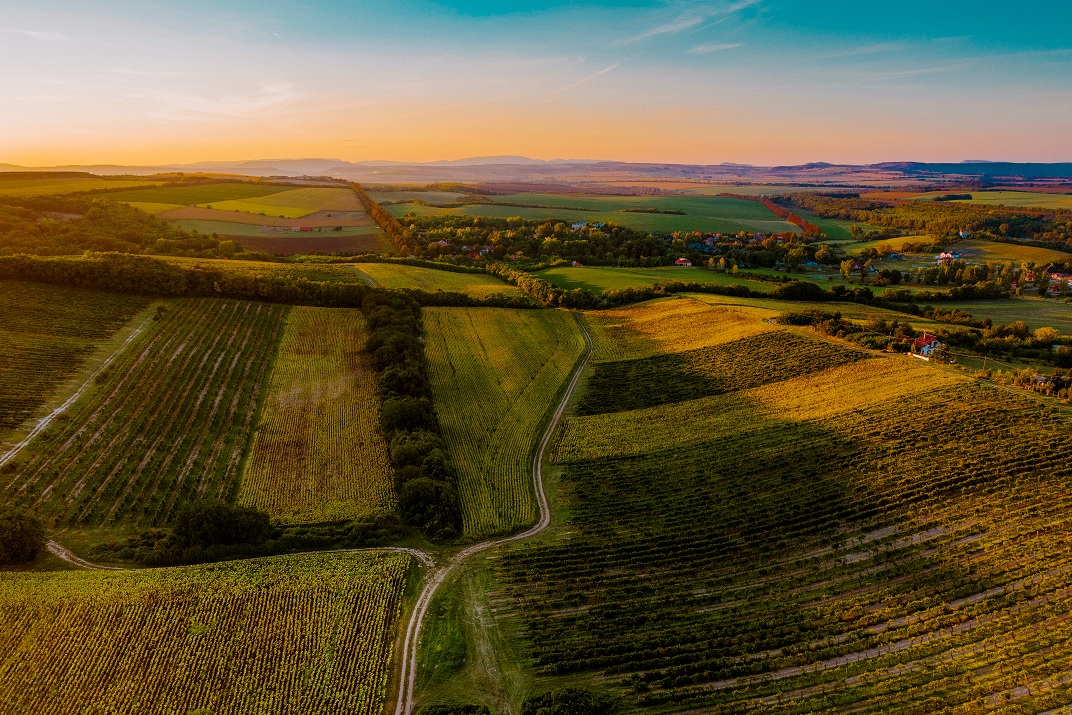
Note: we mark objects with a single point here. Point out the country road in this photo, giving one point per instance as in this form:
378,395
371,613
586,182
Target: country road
438,575
408,680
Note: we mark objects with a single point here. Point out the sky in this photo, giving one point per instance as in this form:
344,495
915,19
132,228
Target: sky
767,82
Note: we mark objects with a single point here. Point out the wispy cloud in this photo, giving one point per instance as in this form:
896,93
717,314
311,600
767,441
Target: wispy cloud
583,80
692,17
186,106
41,36
713,47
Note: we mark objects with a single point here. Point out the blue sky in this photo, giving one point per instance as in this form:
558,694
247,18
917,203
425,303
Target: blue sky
757,81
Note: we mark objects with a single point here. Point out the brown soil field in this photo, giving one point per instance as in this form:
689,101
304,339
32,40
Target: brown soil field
318,219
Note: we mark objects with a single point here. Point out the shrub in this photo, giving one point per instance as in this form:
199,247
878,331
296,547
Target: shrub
22,536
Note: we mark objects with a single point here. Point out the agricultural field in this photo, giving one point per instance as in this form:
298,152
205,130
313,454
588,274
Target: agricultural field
713,214
48,333
307,634
294,203
670,326
599,278
310,271
677,377
49,186
1019,199
432,197
170,420
1036,312
198,194
393,275
869,535
495,374
265,217
319,454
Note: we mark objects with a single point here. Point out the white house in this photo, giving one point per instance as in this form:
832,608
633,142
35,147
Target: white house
925,345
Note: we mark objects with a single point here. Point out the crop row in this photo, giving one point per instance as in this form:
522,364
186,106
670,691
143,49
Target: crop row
171,422
851,559
46,334
494,372
319,454
761,359
300,634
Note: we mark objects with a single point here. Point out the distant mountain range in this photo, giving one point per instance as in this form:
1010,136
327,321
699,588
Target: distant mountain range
523,169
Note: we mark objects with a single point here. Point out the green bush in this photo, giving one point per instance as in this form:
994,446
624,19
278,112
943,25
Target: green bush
22,536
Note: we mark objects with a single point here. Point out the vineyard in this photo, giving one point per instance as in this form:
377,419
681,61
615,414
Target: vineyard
169,421
477,285
46,334
668,326
298,634
495,372
761,359
877,537
319,454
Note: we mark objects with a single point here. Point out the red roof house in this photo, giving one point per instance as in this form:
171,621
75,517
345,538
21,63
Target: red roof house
925,345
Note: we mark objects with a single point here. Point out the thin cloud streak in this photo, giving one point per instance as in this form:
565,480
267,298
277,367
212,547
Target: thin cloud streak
41,36
579,82
714,47
689,20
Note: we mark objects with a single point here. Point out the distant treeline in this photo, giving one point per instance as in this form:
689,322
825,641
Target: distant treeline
142,275
551,295
942,219
387,223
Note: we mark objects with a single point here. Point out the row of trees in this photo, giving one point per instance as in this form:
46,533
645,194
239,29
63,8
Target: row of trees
809,228
388,223
425,477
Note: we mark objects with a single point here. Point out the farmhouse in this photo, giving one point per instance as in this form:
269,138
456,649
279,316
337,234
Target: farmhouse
682,262
925,345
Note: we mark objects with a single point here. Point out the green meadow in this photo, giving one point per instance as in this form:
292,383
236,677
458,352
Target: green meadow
699,213
48,187
197,195
599,278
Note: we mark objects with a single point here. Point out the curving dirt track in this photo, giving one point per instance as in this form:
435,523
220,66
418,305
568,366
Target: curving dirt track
408,680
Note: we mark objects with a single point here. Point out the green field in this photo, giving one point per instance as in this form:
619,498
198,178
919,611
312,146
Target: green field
229,228
48,187
47,334
197,194
318,454
598,278
710,214
870,536
495,373
310,271
1036,312
170,420
294,203
307,635
432,197
478,285
1021,199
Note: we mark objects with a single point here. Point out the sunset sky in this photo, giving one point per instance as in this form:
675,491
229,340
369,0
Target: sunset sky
751,81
